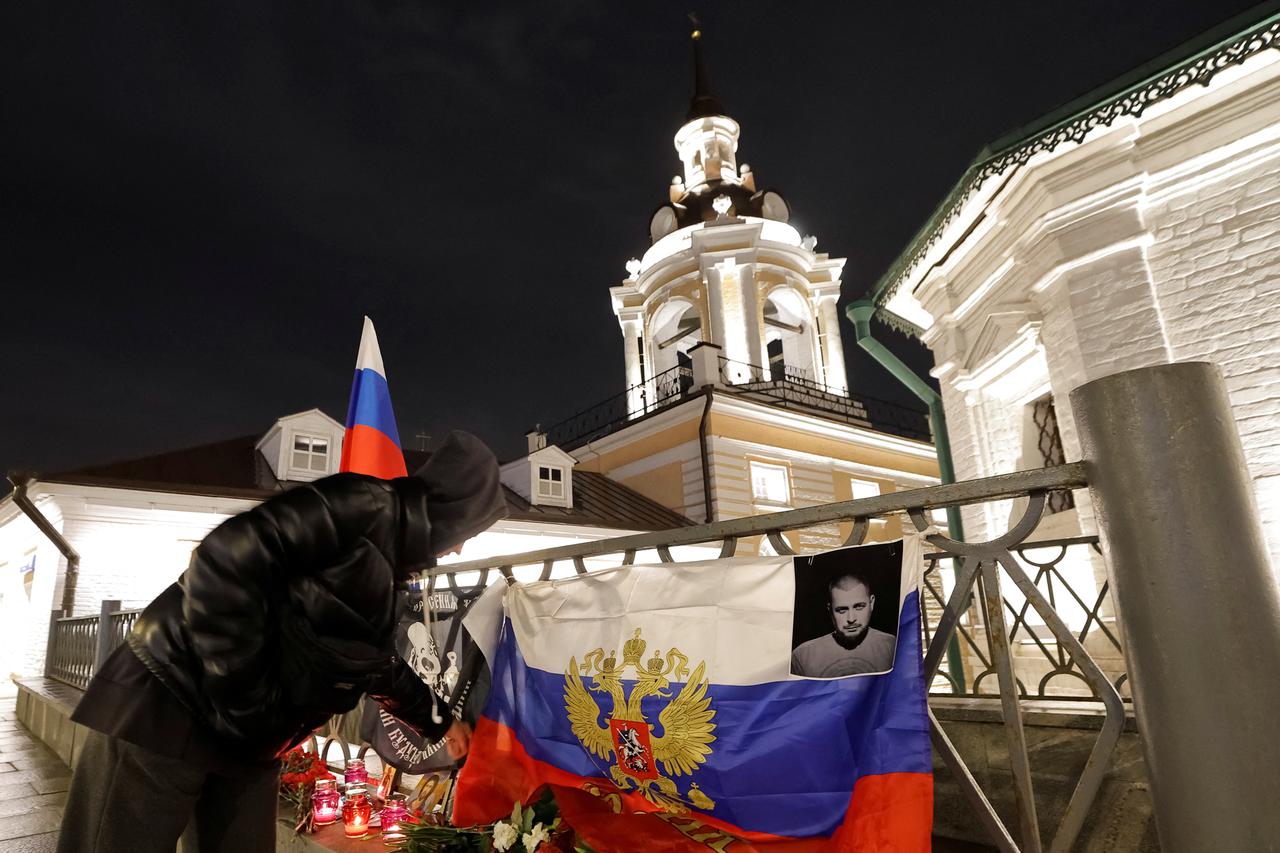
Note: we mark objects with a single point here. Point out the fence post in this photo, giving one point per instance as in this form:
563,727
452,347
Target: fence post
51,643
706,364
1198,602
106,635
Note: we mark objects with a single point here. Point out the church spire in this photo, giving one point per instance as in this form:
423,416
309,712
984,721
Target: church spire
704,102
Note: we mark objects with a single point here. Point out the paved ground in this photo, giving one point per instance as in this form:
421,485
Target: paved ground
33,785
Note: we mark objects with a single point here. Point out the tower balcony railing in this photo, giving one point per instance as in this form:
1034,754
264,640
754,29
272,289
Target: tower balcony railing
794,387
786,386
644,398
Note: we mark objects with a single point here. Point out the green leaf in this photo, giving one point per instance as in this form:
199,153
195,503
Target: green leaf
515,815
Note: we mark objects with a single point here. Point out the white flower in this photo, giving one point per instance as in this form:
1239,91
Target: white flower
535,837
504,835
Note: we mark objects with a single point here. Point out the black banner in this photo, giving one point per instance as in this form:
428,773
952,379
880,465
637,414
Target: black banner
444,657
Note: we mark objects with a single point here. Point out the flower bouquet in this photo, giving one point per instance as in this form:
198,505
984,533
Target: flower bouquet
299,771
536,829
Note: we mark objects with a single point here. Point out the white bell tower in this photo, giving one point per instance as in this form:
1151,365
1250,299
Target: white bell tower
725,268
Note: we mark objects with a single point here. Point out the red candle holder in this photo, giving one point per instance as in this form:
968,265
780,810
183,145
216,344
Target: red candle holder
357,809
325,802
355,772
393,814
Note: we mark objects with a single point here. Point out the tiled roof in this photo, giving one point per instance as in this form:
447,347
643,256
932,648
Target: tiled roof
231,465
235,468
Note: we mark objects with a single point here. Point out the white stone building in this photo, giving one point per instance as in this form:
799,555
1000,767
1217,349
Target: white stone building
1137,225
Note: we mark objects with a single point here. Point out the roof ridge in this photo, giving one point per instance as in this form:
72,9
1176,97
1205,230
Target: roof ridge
1199,59
146,457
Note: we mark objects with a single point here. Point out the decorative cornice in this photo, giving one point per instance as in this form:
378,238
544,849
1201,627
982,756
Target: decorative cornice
1197,70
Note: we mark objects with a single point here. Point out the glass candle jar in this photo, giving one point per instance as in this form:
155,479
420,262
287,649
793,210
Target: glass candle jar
357,809
324,802
394,811
355,772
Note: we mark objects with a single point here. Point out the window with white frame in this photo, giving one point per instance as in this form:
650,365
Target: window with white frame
863,488
310,453
769,483
550,481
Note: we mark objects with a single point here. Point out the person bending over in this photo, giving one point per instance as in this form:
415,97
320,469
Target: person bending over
284,618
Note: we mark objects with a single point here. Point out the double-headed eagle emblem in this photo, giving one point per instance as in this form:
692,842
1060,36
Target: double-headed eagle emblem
685,722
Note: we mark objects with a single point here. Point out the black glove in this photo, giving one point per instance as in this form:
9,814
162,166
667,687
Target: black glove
409,699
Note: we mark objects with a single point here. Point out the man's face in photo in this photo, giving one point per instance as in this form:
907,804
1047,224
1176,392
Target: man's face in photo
851,606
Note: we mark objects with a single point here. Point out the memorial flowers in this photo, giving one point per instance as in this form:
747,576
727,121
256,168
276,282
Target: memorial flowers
536,829
299,771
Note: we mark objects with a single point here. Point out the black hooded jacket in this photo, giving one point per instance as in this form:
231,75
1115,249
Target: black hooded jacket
284,616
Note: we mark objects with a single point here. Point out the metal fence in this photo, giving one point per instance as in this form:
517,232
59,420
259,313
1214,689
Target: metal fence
73,650
78,645
967,600
1068,573
787,386
792,387
655,393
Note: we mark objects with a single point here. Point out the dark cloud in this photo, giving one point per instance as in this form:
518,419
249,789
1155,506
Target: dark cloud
198,202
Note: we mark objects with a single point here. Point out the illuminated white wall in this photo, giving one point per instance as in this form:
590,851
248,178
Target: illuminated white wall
1155,240
24,609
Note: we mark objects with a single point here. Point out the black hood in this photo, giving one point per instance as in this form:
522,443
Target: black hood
464,495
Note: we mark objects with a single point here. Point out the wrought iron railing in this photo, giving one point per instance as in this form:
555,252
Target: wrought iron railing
78,645
73,650
121,624
986,569
1066,572
655,393
793,387
740,372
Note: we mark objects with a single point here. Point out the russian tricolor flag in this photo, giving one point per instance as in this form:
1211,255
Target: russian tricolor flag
662,706
372,443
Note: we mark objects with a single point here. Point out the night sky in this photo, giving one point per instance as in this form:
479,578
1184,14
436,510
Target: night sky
198,204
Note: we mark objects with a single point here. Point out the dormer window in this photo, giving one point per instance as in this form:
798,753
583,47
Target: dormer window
550,482
544,477
310,453
300,448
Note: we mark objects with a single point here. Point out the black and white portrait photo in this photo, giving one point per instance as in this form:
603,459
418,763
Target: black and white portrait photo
846,611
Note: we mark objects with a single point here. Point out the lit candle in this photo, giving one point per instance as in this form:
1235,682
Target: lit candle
324,802
395,811
356,811
355,771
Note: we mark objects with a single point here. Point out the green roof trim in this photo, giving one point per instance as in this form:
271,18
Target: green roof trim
1193,63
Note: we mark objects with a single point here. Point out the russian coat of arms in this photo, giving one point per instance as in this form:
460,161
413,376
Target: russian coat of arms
685,721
